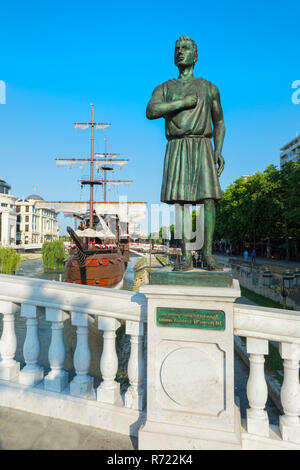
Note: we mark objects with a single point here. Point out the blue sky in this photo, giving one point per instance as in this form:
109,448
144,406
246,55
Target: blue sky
58,57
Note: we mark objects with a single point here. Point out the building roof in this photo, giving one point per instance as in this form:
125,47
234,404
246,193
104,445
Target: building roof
35,197
291,143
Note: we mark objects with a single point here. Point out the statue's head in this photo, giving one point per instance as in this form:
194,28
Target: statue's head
185,52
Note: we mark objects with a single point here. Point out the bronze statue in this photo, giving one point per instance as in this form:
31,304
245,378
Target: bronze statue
193,115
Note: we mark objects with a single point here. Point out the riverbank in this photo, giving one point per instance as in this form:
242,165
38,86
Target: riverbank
144,266
30,256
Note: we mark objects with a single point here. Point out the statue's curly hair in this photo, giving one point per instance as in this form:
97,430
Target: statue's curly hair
186,38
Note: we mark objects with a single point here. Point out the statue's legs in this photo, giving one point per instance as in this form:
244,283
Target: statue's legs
209,227
183,222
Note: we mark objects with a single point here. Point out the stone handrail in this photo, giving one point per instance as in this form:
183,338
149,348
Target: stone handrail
121,304
259,325
267,323
83,305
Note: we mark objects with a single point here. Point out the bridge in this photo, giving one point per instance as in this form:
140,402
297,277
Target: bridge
28,247
53,392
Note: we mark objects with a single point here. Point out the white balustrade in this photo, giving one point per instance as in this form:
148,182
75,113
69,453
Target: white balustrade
85,304
32,373
83,384
57,379
257,390
9,368
109,389
135,395
290,393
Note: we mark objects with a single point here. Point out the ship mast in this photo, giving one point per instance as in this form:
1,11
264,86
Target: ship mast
108,162
92,170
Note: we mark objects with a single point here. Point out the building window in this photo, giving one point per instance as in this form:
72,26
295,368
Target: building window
26,228
27,208
18,209
27,218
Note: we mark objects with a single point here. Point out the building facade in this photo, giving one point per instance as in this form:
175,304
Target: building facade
8,215
290,151
35,224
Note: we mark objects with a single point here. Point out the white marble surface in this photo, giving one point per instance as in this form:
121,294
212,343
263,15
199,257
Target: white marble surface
190,371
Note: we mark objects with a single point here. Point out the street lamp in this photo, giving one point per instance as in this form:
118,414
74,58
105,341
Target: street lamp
297,277
267,276
287,284
288,279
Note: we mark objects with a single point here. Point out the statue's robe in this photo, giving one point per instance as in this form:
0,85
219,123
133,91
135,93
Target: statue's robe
190,172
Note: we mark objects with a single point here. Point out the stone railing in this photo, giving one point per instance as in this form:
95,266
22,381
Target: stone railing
260,325
62,396
53,391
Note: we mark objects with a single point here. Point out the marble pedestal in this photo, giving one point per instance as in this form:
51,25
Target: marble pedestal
190,376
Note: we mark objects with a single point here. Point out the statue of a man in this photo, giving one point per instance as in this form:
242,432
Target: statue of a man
193,115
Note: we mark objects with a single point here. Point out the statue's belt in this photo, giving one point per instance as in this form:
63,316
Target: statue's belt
191,136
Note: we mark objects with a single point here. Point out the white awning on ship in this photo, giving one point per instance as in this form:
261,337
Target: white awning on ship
109,231
126,212
69,207
90,233
102,125
110,155
99,164
117,183
71,164
81,125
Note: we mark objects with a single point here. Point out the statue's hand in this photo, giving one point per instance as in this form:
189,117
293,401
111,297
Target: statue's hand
190,101
220,162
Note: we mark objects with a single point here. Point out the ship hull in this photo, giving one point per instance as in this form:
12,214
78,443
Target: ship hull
100,269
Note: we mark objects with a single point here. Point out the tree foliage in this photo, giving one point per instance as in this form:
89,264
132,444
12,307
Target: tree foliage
53,254
262,206
9,260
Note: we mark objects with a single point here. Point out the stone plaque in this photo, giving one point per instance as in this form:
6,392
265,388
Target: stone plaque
191,318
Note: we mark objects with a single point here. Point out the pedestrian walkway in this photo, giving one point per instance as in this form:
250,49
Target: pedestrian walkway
289,264
20,430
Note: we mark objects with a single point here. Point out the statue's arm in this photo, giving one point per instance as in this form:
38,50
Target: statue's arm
219,127
158,107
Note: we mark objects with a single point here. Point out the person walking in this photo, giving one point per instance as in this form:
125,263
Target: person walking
253,255
246,255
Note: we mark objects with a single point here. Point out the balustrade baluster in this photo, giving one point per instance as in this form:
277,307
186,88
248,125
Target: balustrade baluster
9,368
83,384
57,379
109,390
135,395
257,390
32,373
290,393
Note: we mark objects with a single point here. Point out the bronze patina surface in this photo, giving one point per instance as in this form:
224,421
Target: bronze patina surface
193,116
190,318
192,278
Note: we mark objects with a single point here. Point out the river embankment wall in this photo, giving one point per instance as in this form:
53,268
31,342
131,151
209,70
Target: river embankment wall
251,276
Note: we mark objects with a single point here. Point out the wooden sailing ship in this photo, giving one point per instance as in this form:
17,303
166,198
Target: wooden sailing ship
100,251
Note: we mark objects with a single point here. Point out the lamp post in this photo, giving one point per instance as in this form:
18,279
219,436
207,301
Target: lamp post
297,277
287,284
267,276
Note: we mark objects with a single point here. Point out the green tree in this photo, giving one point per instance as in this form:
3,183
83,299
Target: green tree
53,254
9,260
265,205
